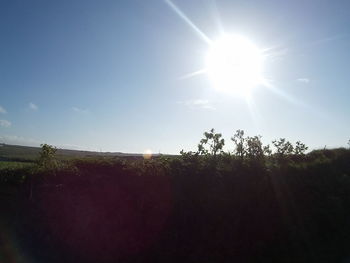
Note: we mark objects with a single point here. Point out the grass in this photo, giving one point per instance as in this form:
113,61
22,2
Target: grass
14,165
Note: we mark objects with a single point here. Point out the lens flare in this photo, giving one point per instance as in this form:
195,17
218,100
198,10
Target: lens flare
147,154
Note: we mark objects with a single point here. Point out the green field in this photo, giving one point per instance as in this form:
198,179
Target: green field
17,153
14,165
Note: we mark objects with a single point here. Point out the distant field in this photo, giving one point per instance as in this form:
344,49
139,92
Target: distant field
20,154
13,165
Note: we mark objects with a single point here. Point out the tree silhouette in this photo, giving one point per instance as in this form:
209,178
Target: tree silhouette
212,143
283,147
47,156
300,148
239,140
254,147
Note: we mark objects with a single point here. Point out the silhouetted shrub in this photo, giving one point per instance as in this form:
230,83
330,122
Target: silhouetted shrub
213,206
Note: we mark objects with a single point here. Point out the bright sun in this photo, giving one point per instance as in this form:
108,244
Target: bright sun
234,65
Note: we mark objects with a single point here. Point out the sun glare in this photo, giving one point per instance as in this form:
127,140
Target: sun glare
147,154
234,65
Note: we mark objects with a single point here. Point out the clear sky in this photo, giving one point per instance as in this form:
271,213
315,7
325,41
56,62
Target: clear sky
113,75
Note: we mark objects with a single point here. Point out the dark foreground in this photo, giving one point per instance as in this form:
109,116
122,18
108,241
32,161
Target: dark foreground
179,209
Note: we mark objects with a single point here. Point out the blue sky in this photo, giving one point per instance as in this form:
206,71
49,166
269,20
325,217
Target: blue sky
108,75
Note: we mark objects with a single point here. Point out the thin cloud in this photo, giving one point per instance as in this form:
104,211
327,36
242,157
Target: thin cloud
326,40
71,147
18,140
2,110
79,110
33,106
5,123
197,104
303,80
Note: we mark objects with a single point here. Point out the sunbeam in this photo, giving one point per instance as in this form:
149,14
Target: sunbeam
188,21
283,94
216,17
195,73
295,101
235,65
254,113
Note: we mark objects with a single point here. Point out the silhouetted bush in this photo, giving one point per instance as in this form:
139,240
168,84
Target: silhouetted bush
249,205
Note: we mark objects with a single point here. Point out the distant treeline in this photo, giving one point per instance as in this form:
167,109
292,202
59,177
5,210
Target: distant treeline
254,204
